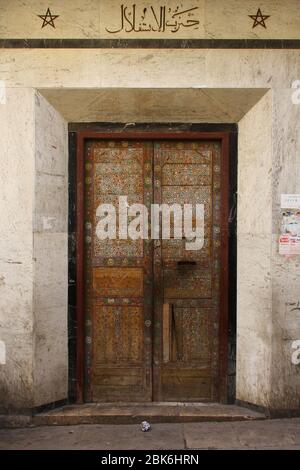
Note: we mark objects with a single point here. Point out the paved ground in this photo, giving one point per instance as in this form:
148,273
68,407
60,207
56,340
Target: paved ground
269,434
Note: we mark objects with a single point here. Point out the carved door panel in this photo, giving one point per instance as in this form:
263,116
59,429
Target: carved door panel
152,307
118,277
187,283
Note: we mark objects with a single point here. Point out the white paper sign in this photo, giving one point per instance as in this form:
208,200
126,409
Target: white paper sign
289,245
289,240
290,201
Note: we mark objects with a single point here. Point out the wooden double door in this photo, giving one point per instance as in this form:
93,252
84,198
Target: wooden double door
153,309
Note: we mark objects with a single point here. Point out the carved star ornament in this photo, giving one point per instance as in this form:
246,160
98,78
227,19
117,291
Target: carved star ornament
259,19
48,19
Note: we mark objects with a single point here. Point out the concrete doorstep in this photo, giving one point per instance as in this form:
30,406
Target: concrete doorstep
131,413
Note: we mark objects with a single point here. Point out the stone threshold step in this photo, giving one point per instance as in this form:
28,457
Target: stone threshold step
131,413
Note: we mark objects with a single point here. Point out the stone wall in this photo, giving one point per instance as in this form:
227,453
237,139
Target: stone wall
33,203
86,19
50,248
254,240
16,247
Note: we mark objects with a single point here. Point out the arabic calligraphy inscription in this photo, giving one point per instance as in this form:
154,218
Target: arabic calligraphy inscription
152,18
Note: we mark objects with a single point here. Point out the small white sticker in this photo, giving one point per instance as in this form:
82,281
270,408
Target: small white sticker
296,353
296,93
290,201
2,353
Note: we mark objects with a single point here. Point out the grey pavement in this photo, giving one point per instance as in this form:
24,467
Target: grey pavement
267,434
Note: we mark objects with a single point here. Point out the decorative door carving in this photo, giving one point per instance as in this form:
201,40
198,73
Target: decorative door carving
118,277
151,307
187,283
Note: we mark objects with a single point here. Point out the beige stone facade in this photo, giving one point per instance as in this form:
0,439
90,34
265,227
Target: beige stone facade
45,89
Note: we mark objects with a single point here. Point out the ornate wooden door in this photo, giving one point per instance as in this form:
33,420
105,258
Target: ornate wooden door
187,283
152,308
118,277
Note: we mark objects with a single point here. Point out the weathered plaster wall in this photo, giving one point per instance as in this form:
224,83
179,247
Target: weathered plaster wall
16,246
151,68
254,239
285,377
33,251
269,137
50,248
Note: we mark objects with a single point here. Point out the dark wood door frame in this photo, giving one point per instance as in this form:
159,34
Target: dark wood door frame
151,135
